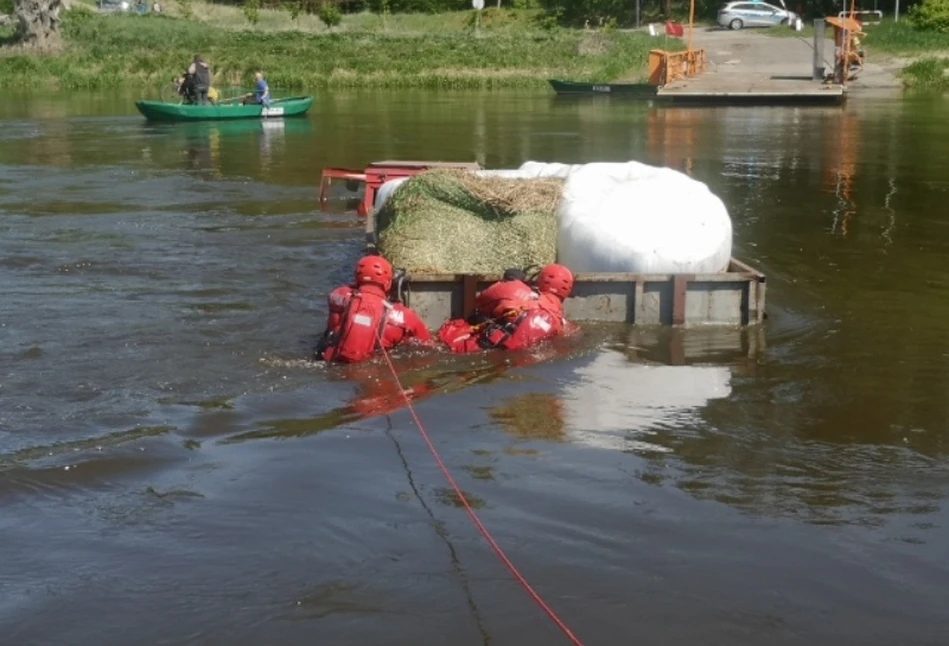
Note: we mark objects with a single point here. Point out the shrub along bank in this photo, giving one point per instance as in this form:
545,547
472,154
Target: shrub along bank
926,52
110,51
929,73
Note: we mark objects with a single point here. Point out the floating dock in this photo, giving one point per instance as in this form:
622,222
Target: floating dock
758,72
750,89
718,89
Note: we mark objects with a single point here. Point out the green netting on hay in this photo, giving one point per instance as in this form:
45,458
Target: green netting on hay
447,221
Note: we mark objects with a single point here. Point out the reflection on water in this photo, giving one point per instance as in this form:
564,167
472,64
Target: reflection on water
617,405
532,416
675,346
167,449
220,147
845,149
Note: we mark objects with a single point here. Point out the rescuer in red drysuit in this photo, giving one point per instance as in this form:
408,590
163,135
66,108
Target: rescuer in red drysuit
509,319
500,299
360,316
503,299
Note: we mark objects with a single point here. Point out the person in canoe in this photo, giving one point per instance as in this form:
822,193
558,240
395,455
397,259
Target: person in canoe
185,86
261,95
199,73
261,89
362,319
509,315
186,89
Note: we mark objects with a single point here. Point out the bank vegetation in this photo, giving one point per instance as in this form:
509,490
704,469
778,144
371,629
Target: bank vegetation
509,48
316,44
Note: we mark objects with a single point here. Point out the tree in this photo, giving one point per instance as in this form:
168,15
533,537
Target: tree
578,12
38,22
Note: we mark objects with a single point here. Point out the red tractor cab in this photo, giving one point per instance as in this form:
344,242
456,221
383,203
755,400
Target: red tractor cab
378,173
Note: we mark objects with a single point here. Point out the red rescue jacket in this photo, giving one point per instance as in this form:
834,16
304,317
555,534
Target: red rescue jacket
359,318
542,322
536,321
501,302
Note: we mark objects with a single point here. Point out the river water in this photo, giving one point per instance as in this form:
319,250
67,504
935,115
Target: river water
173,470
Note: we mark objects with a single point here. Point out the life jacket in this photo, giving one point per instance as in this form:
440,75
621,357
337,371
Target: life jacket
338,299
539,320
361,327
499,310
202,75
460,336
496,333
552,304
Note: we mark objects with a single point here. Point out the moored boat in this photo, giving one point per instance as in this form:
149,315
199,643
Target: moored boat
631,90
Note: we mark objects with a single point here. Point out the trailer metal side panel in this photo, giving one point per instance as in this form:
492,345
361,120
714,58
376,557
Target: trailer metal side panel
735,297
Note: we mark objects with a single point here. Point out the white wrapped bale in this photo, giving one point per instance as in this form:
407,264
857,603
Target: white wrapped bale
630,217
385,192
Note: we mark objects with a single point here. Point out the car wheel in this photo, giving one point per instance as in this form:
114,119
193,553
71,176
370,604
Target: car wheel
736,24
785,22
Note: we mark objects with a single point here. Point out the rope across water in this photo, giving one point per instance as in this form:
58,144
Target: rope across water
471,513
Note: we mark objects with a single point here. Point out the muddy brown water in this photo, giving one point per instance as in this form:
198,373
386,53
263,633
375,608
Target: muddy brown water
173,471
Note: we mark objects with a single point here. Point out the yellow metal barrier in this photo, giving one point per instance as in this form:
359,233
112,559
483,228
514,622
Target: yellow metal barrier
666,67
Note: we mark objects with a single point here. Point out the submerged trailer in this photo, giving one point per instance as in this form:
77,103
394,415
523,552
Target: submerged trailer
735,297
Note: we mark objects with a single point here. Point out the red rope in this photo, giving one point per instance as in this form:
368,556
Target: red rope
474,517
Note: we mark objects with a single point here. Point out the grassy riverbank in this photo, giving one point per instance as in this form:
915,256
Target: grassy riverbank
923,56
512,49
902,38
930,73
887,37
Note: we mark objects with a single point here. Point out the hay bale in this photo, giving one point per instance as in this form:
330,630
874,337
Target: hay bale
452,221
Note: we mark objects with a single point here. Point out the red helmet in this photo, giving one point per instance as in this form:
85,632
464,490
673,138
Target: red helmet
375,270
555,279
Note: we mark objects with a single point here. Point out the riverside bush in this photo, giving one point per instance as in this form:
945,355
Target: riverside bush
931,15
928,74
330,15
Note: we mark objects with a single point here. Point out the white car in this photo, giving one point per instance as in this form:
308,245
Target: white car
736,15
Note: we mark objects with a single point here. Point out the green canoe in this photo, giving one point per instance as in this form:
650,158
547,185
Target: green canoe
295,106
